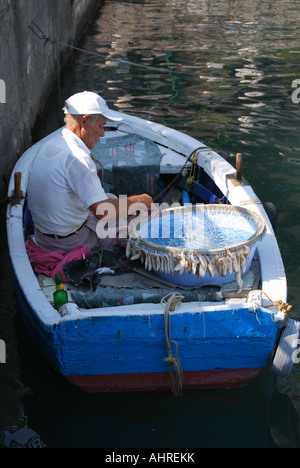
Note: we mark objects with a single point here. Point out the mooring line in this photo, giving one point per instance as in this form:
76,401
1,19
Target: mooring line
43,36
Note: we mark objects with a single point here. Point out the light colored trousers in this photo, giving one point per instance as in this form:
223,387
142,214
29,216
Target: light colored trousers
87,235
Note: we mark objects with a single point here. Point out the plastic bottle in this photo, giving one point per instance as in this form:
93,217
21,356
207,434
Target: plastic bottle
60,296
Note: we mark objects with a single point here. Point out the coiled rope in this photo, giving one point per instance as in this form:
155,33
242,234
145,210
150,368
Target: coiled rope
176,377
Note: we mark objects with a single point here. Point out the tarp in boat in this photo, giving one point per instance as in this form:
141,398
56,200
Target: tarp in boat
131,164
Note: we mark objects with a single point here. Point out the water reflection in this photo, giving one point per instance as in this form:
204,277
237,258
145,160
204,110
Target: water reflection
254,416
209,59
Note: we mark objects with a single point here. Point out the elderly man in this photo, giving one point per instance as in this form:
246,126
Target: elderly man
65,195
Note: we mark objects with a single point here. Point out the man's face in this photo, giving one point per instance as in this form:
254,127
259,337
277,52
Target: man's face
92,130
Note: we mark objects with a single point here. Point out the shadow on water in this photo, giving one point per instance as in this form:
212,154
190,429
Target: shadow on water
254,416
12,390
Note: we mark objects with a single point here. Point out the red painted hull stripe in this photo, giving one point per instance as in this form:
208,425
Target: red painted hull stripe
212,379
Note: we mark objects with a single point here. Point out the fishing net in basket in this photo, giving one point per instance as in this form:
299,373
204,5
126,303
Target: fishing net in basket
203,243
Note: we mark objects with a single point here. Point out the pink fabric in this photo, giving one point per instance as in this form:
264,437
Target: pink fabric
50,264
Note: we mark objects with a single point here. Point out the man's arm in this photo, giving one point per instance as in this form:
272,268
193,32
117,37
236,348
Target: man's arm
115,209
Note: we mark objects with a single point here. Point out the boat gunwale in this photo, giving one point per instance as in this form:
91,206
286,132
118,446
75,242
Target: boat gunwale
178,142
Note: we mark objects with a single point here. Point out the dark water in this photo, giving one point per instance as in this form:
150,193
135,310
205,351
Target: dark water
225,77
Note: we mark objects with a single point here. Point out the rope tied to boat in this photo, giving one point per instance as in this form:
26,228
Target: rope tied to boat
176,377
283,307
192,175
41,35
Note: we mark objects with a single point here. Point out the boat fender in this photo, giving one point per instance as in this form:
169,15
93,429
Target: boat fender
285,355
271,211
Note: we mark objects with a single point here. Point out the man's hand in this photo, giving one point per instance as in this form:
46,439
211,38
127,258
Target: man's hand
115,209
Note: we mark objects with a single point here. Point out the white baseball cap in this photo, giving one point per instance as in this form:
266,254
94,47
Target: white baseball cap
89,103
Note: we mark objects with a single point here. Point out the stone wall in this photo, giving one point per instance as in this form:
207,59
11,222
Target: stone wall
28,66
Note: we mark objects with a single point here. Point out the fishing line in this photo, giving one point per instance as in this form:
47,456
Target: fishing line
41,35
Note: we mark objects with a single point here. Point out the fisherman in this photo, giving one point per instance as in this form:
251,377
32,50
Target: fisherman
65,195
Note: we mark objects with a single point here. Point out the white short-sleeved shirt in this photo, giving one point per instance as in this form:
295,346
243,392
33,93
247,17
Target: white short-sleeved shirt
63,184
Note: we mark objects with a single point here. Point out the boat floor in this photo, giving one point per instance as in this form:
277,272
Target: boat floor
139,279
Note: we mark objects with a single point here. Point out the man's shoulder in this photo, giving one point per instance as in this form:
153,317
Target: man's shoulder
54,139
75,144
65,141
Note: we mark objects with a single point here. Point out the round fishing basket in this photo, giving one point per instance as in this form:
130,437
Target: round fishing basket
194,245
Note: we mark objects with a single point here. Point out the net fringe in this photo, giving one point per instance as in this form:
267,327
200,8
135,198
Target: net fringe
196,264
175,260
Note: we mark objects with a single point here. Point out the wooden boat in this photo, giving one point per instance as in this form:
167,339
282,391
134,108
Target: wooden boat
155,345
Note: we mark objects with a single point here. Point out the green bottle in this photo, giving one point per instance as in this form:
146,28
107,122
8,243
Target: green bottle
60,296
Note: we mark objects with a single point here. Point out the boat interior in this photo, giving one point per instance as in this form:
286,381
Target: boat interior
130,164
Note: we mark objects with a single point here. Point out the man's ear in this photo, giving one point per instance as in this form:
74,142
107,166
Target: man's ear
85,119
